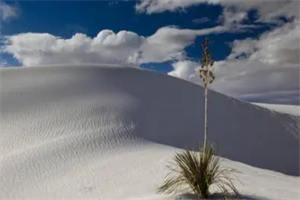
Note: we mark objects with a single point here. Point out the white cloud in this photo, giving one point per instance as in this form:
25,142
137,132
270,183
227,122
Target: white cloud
124,47
157,6
234,10
168,43
45,49
7,11
264,69
186,70
232,16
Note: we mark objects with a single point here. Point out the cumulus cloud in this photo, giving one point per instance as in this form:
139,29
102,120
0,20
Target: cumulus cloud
45,49
234,11
186,70
265,69
7,11
168,43
124,47
280,46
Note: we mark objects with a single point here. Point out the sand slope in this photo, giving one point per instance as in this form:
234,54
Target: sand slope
107,133
288,109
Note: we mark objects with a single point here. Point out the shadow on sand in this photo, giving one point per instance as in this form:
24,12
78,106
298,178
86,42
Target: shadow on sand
218,196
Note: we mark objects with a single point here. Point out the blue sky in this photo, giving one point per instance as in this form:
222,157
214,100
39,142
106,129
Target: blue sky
70,17
163,37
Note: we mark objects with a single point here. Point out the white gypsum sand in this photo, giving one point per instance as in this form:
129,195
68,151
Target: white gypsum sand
108,133
289,109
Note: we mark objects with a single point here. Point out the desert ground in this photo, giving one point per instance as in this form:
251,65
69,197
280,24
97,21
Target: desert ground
86,132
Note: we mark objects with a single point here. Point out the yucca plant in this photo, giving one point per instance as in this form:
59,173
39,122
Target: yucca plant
207,76
196,172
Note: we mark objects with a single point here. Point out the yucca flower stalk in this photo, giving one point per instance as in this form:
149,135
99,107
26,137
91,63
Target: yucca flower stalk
207,78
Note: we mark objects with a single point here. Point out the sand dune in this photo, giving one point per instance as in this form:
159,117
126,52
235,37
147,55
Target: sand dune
288,109
107,133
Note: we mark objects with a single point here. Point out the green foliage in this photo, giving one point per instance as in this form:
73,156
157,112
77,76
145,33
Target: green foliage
196,172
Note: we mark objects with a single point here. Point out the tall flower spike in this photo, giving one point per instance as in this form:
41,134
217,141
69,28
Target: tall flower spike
207,78
207,62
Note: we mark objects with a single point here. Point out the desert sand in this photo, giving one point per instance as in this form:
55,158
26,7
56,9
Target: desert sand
106,133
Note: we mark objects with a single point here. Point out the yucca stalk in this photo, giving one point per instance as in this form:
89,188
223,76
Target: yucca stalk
196,172
207,78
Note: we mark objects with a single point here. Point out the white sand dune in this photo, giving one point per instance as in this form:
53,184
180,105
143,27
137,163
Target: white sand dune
289,109
107,133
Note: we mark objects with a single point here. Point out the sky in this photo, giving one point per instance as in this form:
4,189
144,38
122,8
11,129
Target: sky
255,44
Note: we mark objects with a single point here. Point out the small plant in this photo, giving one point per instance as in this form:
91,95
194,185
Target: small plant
196,172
